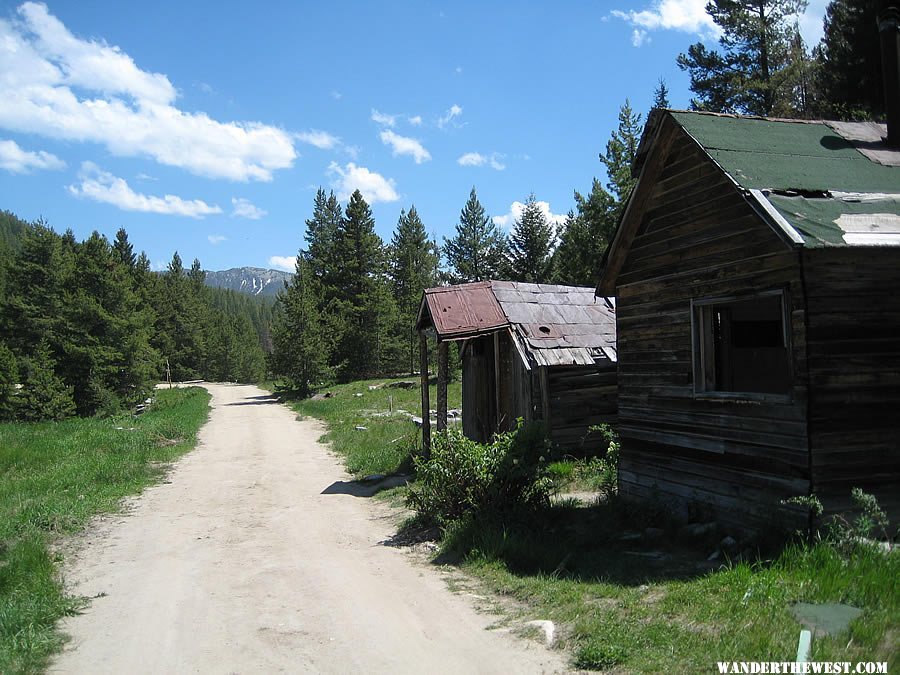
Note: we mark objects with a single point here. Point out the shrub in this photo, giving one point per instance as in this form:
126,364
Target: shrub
606,468
44,396
464,477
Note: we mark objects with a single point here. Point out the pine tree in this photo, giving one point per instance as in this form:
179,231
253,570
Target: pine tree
413,268
531,245
360,303
106,356
124,250
37,291
621,149
478,249
9,377
44,396
661,95
849,73
754,73
182,318
585,236
321,239
175,267
299,347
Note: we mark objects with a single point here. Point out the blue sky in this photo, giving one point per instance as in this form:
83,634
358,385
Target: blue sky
207,127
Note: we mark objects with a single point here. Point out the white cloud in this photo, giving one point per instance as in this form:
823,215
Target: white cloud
319,139
287,263
515,212
373,186
472,159
243,208
102,186
57,85
688,16
811,23
477,159
16,160
403,145
450,116
415,120
383,118
216,239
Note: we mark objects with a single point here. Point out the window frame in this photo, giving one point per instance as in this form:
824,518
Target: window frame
700,351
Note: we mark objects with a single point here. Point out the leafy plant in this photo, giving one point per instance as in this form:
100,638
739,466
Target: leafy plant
606,468
463,477
847,534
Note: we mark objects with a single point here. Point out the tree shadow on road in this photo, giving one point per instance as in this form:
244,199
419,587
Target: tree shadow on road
266,399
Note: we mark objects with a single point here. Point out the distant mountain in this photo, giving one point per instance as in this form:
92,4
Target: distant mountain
251,280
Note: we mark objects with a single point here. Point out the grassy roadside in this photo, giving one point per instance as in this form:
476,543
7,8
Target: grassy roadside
388,437
54,477
627,598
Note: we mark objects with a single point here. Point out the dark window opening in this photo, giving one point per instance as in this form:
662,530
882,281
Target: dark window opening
742,346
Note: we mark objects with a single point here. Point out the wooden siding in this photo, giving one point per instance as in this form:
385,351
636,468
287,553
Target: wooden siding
581,396
854,367
498,389
478,391
698,238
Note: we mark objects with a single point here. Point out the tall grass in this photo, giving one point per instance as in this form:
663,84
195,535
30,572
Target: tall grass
54,477
371,427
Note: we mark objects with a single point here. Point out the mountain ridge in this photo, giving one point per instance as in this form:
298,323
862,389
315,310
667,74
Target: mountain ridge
250,280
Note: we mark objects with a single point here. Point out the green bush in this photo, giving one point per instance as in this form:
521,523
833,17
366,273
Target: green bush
464,477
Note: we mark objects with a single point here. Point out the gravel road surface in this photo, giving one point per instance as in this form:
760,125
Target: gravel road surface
252,558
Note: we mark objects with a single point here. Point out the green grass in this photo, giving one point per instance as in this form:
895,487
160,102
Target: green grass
54,477
625,611
619,608
389,440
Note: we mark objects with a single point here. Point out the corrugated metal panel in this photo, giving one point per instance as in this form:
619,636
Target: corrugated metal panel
556,325
467,309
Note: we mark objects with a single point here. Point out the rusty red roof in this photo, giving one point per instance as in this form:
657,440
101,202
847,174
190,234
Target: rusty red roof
555,325
463,310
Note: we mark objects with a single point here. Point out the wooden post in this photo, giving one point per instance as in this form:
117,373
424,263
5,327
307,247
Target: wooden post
442,387
545,397
426,405
497,413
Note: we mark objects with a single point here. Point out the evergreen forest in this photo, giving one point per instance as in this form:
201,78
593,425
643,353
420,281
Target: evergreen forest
87,327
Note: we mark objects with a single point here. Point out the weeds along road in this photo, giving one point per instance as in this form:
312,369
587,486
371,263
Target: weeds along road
240,563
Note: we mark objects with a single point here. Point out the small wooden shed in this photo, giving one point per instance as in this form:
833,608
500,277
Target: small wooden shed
756,270
530,351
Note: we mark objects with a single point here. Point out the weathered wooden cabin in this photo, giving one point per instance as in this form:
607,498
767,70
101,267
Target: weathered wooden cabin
535,351
756,273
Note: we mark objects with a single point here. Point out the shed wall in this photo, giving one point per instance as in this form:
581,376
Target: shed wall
698,239
854,367
580,397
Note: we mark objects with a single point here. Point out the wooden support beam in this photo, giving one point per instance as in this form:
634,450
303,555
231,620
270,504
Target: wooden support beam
498,414
442,387
426,405
545,397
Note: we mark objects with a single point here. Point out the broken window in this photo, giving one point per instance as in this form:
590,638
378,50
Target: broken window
741,345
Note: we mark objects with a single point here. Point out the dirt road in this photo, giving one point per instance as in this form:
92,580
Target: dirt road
245,561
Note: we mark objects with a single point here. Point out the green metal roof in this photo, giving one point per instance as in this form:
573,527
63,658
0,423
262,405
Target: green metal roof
784,156
788,155
840,222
